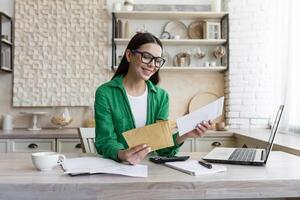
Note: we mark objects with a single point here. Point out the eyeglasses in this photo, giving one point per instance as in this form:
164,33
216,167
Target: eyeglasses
147,58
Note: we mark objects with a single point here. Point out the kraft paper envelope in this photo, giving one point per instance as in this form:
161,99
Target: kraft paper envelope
156,136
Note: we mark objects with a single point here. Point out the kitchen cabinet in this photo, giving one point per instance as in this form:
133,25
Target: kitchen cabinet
69,146
35,145
125,24
4,146
29,145
23,140
188,145
206,144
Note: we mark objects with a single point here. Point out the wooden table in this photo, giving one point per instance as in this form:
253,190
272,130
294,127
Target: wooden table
279,178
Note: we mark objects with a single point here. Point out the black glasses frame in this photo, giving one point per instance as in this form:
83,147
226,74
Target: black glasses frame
161,59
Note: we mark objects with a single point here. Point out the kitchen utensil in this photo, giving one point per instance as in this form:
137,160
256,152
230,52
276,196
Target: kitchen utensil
195,30
34,119
176,28
201,99
45,161
165,35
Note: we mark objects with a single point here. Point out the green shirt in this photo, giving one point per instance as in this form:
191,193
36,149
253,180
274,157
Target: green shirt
113,116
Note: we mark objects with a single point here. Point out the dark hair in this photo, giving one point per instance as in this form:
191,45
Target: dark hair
136,41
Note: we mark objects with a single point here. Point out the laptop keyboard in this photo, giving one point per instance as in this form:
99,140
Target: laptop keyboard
243,154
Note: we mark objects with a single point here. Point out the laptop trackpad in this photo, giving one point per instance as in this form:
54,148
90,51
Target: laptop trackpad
220,153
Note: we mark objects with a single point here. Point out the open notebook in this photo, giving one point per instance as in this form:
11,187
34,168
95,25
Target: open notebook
192,167
95,165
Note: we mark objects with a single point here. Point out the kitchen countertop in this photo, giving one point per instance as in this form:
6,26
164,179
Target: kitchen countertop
64,133
285,142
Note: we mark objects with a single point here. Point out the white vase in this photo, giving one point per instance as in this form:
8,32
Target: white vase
7,122
215,5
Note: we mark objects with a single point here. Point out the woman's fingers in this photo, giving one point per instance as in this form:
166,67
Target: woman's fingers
200,131
207,125
137,148
137,153
201,128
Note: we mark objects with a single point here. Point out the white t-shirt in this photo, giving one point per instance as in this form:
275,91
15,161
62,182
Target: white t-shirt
139,108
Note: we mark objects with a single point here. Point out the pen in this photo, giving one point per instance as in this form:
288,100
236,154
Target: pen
205,164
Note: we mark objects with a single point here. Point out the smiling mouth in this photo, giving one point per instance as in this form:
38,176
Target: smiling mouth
147,70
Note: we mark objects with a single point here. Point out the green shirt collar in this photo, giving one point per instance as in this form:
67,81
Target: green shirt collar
118,82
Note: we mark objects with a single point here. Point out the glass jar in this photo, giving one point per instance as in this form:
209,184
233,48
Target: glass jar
61,117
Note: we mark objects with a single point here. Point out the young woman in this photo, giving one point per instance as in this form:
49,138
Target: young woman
132,99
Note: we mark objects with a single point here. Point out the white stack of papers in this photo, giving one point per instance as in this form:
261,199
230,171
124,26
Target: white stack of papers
192,167
209,112
94,165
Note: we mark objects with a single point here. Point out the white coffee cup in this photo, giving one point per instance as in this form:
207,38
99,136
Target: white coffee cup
45,161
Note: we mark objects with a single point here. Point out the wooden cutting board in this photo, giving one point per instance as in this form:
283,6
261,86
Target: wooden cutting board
201,99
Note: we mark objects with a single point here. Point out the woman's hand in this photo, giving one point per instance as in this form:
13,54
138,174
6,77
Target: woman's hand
135,154
199,131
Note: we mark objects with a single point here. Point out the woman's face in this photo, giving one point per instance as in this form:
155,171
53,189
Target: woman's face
139,58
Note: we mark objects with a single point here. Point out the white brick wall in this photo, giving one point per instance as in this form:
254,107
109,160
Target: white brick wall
249,80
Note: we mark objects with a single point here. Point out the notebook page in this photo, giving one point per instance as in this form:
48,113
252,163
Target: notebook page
92,165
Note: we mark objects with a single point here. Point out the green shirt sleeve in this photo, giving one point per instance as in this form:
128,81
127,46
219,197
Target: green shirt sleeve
106,141
163,114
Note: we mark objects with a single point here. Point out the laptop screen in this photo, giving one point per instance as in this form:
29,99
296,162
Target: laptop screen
274,130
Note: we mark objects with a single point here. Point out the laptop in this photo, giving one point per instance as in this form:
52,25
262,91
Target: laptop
245,156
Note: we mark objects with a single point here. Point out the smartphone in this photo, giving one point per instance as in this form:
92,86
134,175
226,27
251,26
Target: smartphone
163,159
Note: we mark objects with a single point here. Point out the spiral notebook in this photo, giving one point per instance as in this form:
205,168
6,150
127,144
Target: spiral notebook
192,167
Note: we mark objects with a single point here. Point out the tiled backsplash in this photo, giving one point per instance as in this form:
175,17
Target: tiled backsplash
60,52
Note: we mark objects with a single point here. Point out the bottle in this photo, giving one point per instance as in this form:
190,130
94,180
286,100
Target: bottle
119,29
126,30
89,118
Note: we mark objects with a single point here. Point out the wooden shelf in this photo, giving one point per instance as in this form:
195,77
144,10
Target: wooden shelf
6,42
177,68
124,41
169,15
141,16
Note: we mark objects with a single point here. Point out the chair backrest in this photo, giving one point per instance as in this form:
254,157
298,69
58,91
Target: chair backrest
87,137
